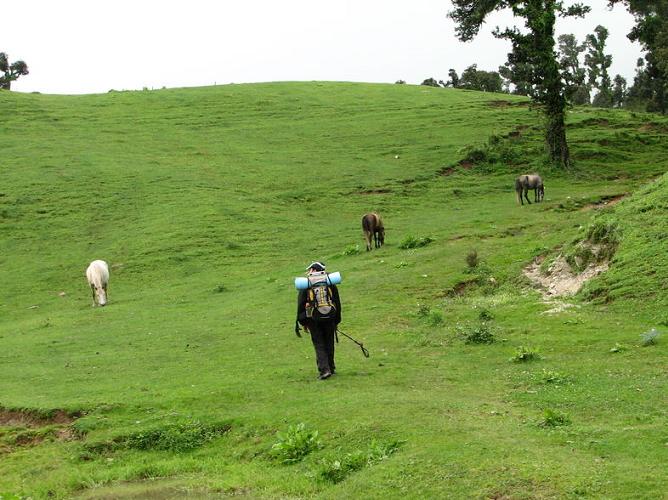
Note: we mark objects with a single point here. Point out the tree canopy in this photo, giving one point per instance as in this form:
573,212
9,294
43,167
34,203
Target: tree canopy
10,71
533,51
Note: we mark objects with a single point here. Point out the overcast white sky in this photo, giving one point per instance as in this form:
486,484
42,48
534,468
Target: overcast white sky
89,46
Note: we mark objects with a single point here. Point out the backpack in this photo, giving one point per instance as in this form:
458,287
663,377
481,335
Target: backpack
319,298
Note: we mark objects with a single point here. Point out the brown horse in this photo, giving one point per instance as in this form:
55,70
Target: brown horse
372,225
525,182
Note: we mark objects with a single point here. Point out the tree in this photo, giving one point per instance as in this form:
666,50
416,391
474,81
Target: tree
453,79
619,91
651,30
535,50
574,76
517,74
430,82
486,81
598,62
11,71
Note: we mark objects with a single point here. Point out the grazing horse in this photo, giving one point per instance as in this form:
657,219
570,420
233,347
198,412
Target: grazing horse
525,182
98,278
372,225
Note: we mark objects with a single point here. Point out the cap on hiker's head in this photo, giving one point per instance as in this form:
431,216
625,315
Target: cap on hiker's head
316,266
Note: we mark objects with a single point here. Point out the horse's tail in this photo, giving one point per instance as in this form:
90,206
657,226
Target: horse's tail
518,189
367,225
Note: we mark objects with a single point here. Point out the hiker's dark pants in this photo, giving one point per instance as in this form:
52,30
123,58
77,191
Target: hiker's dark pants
322,335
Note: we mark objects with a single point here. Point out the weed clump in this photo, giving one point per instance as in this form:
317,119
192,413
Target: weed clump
552,377
472,260
295,444
352,250
485,315
553,418
618,348
415,242
432,318
525,354
177,437
480,334
335,471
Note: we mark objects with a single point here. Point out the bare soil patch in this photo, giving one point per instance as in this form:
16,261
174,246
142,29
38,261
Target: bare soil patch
34,419
560,280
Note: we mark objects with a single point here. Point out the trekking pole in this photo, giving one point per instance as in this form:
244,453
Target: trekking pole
365,351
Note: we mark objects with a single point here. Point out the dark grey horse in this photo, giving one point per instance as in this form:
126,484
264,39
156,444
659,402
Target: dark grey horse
372,225
525,182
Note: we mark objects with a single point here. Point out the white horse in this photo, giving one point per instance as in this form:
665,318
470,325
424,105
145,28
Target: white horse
98,278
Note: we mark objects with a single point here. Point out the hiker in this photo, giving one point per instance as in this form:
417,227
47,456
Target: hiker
319,312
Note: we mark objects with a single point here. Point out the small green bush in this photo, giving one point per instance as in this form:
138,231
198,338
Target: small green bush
415,242
524,354
352,250
423,310
485,315
295,444
472,259
553,418
220,288
480,334
434,318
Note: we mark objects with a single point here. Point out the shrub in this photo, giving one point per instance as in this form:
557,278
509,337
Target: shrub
434,318
481,334
649,338
485,315
352,250
553,418
423,310
220,288
415,242
295,444
472,259
524,354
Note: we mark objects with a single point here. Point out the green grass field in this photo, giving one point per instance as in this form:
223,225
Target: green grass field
208,202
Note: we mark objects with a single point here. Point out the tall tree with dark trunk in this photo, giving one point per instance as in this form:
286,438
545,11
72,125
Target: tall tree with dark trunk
535,49
651,30
10,71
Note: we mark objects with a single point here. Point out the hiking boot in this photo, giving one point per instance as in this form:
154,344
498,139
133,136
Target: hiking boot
325,375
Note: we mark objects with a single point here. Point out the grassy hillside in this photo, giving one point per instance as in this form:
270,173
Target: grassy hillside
208,202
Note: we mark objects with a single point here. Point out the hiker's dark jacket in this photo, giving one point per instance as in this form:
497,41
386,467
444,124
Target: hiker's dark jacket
301,306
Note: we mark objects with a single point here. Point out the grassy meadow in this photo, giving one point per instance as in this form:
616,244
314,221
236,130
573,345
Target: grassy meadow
207,202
